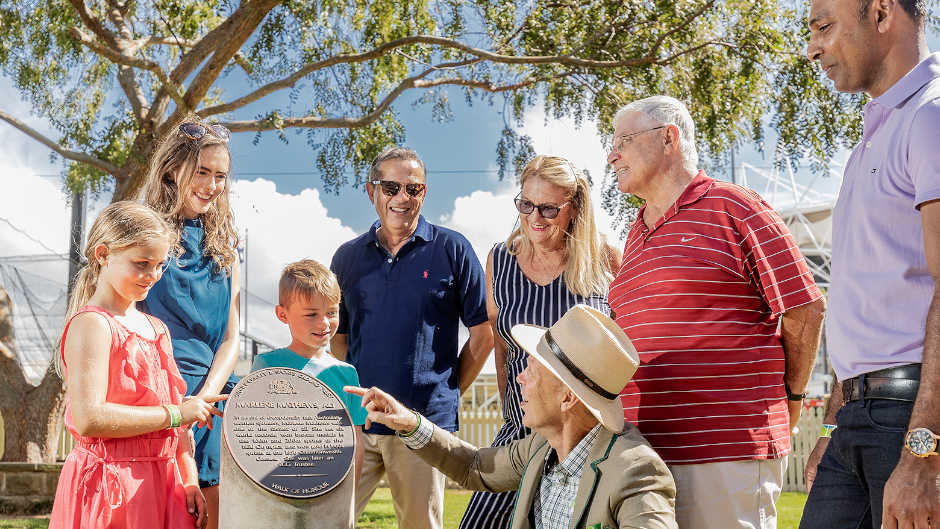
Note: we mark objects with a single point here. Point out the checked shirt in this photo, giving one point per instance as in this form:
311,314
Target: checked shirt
554,502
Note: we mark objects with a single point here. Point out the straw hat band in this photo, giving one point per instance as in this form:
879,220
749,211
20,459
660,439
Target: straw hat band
577,373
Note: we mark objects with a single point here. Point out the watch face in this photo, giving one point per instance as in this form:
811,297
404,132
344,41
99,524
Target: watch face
920,442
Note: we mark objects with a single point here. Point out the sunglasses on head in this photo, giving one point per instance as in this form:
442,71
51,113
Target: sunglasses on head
391,188
547,211
195,131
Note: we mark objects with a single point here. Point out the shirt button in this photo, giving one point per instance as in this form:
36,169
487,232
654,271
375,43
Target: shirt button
868,145
390,260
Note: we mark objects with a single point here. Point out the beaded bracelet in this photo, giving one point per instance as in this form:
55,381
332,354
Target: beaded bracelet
412,432
176,418
826,430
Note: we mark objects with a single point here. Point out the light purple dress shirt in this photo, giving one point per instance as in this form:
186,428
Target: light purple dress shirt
881,288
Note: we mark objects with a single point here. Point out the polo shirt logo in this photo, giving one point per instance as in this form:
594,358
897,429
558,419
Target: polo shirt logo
687,239
425,274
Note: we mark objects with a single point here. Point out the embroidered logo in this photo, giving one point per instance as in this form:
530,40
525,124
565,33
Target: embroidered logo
687,239
425,274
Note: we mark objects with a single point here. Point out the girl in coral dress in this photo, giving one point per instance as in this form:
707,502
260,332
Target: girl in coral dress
132,464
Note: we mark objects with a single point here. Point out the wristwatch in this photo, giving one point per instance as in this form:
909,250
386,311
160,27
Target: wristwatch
921,442
793,396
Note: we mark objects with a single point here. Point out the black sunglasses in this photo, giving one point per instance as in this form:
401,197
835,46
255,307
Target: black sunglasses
391,188
195,131
547,211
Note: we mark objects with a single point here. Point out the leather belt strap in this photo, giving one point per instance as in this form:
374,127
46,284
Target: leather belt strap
896,383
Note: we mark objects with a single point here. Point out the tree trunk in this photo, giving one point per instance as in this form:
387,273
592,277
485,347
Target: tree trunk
32,424
32,415
129,184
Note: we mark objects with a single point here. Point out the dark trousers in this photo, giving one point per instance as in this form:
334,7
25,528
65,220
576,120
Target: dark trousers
849,486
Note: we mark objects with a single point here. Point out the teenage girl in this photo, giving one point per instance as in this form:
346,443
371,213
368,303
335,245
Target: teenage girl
131,465
198,295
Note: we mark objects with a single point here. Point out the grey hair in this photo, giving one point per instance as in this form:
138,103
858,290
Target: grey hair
395,153
665,110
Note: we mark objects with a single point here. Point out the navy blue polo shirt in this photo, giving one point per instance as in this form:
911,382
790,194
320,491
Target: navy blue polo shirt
400,314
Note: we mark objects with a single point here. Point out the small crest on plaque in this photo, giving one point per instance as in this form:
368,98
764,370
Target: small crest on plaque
281,387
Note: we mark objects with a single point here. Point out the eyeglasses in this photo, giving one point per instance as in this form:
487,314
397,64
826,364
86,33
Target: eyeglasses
547,211
195,131
391,188
624,139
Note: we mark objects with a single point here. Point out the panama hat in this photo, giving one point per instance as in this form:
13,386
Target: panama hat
590,354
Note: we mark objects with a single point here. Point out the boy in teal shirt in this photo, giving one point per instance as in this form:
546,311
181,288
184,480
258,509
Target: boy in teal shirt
308,302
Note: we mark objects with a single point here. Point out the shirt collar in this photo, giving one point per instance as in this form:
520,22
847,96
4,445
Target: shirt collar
692,192
423,231
923,73
573,465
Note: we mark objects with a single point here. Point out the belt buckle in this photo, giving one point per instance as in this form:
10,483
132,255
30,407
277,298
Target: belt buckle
851,390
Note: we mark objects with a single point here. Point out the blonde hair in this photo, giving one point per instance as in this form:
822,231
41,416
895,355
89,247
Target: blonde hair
120,226
304,279
180,153
586,261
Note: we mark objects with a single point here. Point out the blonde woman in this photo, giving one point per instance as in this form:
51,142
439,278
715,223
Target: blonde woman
198,295
553,260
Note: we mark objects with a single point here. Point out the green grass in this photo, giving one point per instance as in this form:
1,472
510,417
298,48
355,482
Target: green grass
380,514
790,509
24,523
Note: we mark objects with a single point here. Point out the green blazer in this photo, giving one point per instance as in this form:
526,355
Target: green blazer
625,485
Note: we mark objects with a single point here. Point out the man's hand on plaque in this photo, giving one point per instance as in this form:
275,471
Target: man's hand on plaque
384,409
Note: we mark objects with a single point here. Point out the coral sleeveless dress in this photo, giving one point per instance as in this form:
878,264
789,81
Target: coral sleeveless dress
130,482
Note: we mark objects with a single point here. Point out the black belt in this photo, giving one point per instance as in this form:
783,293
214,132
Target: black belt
894,383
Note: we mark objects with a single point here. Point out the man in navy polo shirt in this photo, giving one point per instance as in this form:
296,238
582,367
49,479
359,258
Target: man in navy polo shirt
406,284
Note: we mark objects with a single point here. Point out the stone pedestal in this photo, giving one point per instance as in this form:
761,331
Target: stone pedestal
245,505
287,455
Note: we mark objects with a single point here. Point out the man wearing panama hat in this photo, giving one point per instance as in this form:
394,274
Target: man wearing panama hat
582,467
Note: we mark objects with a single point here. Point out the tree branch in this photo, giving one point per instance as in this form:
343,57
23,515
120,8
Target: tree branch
288,82
154,40
122,59
65,153
678,54
416,81
231,35
127,77
93,23
688,20
292,79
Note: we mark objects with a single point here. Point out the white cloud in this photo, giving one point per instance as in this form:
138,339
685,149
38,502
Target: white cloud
281,228
483,218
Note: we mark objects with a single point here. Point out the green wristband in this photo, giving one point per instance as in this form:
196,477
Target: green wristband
412,432
826,430
176,418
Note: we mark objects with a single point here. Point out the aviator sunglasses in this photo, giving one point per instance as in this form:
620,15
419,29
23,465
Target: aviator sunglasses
391,188
195,131
547,211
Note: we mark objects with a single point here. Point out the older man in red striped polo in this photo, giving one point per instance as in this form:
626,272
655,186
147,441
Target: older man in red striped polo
724,312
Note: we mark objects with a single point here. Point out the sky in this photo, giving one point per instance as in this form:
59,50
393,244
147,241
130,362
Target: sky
279,202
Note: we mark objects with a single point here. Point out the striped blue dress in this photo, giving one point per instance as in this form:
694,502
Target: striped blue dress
518,300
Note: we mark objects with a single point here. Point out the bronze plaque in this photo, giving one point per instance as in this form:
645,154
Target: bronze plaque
289,433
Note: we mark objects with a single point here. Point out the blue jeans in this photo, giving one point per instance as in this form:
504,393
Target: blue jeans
849,486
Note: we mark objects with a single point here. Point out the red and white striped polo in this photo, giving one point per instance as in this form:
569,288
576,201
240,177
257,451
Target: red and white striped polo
700,296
